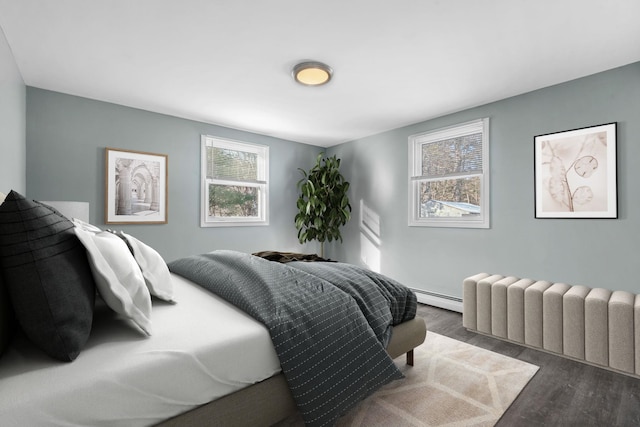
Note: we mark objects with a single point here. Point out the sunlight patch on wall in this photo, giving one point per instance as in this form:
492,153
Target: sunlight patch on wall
370,237
370,223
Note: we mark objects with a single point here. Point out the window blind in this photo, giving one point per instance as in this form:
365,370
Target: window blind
232,165
452,156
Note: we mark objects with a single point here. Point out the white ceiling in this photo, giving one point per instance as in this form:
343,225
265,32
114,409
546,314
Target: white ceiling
228,62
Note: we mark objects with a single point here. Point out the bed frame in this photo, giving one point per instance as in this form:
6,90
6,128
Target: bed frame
270,401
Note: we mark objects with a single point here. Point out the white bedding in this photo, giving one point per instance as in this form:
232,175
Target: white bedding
202,349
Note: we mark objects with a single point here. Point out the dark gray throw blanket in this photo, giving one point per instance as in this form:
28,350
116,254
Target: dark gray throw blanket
329,353
383,301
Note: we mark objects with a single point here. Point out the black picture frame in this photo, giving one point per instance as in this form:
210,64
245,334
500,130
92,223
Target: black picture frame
575,173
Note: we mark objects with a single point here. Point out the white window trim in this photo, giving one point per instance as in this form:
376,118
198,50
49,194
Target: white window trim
415,171
262,151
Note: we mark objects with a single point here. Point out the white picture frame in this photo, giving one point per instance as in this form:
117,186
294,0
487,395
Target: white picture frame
136,190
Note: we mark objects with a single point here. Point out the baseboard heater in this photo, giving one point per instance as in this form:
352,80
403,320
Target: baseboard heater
592,325
438,300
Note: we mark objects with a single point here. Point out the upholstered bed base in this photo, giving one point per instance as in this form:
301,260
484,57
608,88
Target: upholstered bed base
595,326
269,401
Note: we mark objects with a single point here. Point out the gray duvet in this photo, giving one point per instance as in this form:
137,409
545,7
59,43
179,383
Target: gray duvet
329,323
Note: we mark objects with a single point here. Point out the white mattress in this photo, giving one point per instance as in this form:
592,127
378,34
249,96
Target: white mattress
202,349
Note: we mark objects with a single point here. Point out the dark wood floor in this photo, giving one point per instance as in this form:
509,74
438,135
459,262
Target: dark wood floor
562,393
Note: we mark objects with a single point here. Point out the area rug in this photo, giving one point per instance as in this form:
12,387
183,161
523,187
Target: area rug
451,384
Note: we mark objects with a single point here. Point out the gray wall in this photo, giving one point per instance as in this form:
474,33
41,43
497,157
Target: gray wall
66,137
12,122
593,252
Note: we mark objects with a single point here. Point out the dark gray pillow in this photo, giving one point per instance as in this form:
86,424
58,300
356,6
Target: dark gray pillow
47,276
7,321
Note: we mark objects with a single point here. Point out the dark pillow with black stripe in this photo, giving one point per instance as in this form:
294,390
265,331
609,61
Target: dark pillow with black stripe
6,314
47,276
7,323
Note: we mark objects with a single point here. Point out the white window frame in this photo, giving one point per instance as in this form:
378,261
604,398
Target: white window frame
262,183
415,171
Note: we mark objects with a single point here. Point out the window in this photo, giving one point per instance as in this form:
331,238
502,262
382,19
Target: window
449,176
235,184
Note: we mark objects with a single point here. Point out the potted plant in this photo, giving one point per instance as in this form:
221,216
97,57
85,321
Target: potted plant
323,204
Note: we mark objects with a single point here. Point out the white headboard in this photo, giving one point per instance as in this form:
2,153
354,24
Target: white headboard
78,210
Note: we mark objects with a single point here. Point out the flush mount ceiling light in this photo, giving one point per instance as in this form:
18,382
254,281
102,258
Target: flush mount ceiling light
312,73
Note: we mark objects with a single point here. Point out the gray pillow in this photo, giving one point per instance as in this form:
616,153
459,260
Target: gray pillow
47,276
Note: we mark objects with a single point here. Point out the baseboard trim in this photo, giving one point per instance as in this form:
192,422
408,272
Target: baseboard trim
439,300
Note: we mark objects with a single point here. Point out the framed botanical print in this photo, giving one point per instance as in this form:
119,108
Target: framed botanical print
575,173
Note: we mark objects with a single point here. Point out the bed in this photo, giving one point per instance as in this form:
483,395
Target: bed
205,362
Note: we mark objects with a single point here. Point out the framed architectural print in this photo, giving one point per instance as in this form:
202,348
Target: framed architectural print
575,173
136,187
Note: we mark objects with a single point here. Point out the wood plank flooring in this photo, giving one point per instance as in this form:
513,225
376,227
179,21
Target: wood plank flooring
563,392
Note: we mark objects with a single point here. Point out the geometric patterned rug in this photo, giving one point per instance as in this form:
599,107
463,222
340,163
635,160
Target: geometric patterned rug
451,384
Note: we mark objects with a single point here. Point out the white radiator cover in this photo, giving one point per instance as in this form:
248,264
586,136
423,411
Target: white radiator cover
592,325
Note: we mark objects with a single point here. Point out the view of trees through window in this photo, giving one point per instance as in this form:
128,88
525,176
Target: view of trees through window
449,176
235,183
230,201
230,196
452,171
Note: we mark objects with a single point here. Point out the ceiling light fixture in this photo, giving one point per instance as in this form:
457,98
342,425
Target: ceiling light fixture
312,73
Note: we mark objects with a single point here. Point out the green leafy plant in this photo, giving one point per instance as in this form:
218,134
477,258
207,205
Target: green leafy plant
323,204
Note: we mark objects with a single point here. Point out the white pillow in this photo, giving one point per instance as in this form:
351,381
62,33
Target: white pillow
117,276
85,225
154,269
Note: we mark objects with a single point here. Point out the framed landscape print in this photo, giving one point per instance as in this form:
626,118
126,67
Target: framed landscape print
575,173
136,187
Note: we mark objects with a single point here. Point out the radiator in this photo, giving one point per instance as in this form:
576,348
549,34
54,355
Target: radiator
438,300
592,325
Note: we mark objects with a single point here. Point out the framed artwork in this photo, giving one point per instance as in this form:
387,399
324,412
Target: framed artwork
575,173
136,187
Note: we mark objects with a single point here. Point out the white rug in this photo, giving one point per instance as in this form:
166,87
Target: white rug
451,384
